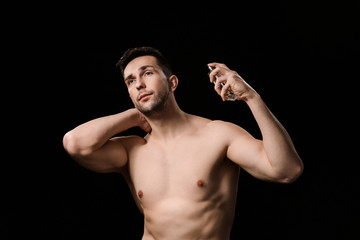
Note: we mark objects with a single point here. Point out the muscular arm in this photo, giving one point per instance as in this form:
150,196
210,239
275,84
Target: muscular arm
274,158
91,144
277,144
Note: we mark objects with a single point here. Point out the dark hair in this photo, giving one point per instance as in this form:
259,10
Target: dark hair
133,53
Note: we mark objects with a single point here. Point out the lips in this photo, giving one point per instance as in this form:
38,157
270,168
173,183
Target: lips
143,95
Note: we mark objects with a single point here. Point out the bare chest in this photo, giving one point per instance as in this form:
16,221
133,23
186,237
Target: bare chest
190,169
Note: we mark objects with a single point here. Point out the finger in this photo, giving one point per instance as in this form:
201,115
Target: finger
217,87
224,91
213,64
146,126
217,65
220,82
214,74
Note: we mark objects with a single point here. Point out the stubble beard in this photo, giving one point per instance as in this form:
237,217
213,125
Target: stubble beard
157,105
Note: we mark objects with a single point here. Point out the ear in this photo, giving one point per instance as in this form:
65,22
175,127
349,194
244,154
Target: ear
173,83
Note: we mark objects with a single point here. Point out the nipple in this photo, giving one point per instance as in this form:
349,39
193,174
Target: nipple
140,194
200,183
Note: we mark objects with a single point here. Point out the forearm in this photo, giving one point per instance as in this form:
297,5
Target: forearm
95,133
278,145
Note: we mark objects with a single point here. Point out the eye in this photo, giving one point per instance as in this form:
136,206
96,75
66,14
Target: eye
130,81
148,73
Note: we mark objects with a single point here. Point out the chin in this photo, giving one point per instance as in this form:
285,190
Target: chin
144,108
153,105
151,109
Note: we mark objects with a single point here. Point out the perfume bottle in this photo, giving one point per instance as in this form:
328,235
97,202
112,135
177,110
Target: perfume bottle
229,95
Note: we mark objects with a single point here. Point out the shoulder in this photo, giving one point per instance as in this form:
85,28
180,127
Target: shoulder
228,127
219,129
215,125
209,123
228,132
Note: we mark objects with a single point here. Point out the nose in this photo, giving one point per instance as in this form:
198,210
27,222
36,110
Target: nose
140,84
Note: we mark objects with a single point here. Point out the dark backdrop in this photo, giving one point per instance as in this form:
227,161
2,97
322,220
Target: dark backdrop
302,57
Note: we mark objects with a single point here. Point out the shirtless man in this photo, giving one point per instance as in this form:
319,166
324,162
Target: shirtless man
184,173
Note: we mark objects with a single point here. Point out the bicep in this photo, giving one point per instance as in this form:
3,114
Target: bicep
109,158
249,154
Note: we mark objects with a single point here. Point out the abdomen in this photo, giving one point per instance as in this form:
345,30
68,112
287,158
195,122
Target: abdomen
185,219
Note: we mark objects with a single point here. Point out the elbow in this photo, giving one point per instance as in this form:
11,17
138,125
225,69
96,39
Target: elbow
71,144
294,174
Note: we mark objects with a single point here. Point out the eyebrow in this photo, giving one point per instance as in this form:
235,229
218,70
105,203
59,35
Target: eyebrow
142,68
129,77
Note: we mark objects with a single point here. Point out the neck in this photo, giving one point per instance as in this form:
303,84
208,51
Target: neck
168,123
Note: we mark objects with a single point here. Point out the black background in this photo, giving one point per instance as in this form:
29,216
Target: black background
302,57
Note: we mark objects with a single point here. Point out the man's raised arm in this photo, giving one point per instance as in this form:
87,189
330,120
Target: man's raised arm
92,146
274,158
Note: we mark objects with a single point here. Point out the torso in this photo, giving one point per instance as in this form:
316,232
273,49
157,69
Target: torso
186,188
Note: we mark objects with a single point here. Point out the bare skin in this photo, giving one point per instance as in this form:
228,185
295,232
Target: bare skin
184,173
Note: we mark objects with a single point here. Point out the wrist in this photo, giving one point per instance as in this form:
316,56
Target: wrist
251,95
133,117
252,98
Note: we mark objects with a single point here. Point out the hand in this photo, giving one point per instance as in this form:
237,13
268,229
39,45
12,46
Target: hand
224,78
141,120
143,123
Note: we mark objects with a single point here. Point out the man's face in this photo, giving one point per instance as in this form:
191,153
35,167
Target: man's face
147,84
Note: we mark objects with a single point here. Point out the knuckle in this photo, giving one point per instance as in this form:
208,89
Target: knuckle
233,74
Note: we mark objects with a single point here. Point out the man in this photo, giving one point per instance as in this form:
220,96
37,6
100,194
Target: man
184,173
